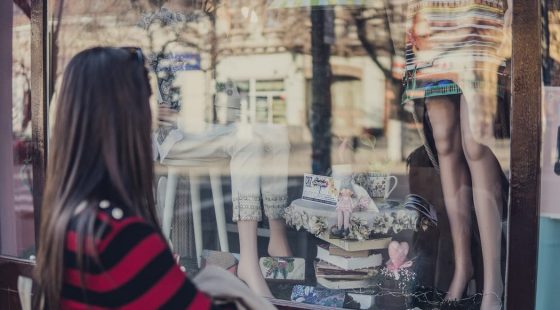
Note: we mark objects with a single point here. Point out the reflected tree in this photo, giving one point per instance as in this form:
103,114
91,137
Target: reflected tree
380,28
191,28
381,31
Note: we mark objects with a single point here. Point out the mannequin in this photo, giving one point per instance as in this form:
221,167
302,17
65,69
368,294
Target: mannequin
458,58
470,175
258,161
272,173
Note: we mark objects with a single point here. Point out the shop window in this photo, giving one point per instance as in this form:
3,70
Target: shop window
17,238
340,215
549,245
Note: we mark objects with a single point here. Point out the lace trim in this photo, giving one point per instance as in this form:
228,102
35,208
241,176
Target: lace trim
274,212
247,207
274,205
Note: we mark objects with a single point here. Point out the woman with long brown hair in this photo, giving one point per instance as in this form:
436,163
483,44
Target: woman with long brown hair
100,242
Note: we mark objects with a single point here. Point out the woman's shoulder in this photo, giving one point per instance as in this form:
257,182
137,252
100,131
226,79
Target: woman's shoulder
107,234
121,226
112,223
116,215
128,265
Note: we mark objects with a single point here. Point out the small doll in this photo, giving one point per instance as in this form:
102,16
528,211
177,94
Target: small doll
344,208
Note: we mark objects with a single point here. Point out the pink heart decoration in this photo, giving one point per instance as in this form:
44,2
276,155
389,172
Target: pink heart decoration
397,253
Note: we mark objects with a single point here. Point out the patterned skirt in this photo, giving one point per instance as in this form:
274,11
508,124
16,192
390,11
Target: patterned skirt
458,47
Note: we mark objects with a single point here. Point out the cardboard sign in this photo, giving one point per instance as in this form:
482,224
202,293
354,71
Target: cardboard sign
319,188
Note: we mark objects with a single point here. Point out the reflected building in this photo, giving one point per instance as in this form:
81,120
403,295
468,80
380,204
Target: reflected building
261,55
266,55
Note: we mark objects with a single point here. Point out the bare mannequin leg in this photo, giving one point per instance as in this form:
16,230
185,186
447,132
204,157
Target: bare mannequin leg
278,243
455,179
485,173
248,269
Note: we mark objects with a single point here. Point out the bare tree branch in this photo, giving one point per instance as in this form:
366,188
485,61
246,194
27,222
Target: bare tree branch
371,50
368,47
387,26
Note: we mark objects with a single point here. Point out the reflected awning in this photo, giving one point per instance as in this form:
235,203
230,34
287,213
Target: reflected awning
280,4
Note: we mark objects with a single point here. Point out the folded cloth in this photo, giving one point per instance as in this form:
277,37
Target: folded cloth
222,285
224,260
163,140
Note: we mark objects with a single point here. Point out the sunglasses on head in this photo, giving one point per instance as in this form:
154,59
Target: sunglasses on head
135,52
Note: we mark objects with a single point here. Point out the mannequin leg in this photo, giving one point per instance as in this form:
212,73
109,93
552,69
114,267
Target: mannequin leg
248,269
245,166
444,113
278,243
485,173
274,184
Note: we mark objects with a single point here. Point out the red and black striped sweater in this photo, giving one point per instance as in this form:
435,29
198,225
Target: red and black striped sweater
135,270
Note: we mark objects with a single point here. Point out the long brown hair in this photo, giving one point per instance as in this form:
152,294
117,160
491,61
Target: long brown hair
100,149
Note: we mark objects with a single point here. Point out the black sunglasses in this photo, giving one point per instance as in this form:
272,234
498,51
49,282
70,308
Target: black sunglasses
136,52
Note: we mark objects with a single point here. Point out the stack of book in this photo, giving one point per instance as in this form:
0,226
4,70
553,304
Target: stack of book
357,245
337,268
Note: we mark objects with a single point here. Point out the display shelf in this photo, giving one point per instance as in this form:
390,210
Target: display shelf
318,218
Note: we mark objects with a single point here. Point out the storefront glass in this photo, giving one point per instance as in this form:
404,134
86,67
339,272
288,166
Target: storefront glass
16,211
299,158
549,243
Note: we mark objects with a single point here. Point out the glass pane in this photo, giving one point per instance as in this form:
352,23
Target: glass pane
262,109
278,110
549,246
321,174
16,215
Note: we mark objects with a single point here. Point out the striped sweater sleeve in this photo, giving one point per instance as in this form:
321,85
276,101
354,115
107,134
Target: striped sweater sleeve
135,270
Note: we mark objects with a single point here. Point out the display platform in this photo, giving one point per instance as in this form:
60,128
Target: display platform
317,218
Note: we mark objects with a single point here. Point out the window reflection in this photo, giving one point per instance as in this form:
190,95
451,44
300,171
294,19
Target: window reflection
17,221
252,91
549,245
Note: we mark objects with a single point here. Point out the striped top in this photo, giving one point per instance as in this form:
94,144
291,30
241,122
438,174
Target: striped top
136,269
462,41
455,35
